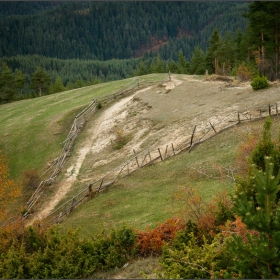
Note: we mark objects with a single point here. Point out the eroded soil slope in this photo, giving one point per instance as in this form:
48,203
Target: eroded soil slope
155,116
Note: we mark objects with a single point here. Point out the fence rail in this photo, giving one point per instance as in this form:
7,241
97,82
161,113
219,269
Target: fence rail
197,135
77,126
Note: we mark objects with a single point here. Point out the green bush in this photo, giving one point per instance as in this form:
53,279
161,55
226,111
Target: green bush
192,260
51,254
99,105
259,83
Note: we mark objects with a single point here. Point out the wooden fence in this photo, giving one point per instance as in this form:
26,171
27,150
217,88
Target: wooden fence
198,134
77,126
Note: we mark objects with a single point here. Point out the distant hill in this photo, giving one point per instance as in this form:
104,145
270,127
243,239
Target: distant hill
106,30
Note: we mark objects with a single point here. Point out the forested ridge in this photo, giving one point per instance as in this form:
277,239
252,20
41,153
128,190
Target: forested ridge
106,30
82,43
77,44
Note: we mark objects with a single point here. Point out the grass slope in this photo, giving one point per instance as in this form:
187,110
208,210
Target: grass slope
32,129
147,196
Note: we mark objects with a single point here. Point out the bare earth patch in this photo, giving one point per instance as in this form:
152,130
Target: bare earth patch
156,115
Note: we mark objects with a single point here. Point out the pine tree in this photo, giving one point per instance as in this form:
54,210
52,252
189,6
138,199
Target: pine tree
159,68
264,22
142,69
40,81
7,84
258,256
58,85
197,65
183,65
212,62
171,66
20,80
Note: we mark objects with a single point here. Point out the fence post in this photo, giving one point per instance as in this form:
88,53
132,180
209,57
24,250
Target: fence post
136,158
72,205
149,154
213,127
173,148
160,154
193,134
276,108
165,154
238,114
90,190
100,185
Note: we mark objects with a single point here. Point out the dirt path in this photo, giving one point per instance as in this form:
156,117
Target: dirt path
95,142
157,114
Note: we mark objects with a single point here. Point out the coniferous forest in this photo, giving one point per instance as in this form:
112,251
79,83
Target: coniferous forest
83,43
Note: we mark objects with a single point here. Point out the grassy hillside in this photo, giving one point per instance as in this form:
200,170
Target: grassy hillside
31,130
147,196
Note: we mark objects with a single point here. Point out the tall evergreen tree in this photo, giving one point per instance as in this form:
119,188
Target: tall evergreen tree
40,81
57,86
258,256
264,22
197,65
159,68
183,65
212,62
7,84
20,80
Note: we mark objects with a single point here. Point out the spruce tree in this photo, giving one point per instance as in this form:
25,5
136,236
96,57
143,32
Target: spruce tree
212,62
197,65
7,84
20,80
58,85
258,256
40,81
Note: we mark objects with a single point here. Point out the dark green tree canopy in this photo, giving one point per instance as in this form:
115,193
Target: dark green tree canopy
40,81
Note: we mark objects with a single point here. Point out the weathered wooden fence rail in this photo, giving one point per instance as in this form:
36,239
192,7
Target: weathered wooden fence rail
198,134
68,143
77,126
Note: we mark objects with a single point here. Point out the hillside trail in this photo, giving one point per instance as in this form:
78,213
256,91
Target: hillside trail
95,142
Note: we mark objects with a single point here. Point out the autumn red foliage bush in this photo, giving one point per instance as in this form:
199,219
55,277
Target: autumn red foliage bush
150,241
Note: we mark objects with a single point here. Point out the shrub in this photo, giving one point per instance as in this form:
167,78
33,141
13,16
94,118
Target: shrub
30,179
206,215
99,105
243,73
120,139
35,253
192,260
259,83
150,242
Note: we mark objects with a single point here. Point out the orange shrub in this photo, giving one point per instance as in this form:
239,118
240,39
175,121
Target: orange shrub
150,242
